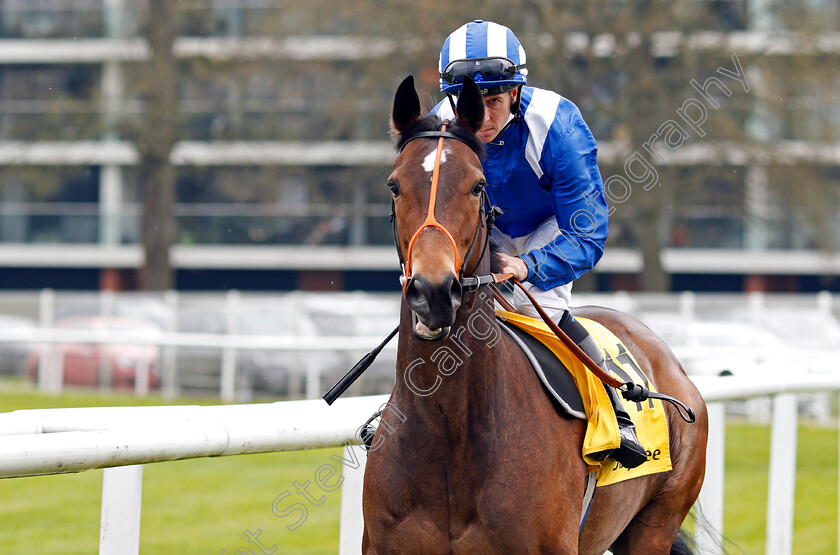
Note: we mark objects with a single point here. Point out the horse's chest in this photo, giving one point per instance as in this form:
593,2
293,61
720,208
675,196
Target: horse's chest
483,521
463,491
470,507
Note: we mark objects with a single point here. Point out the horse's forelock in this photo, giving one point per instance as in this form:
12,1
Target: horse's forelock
432,122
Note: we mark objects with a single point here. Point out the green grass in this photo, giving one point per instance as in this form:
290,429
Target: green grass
189,507
206,505
745,495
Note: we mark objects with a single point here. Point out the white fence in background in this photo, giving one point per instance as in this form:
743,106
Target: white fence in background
361,321
708,333
51,364
53,441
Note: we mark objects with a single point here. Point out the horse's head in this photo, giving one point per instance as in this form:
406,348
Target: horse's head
441,171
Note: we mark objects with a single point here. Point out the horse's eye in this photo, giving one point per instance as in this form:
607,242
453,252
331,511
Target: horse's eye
394,186
478,187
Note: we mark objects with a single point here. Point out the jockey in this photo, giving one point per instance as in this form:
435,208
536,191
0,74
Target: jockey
541,169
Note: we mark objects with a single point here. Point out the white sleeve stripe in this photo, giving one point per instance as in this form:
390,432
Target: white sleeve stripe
538,117
458,44
445,111
522,60
496,41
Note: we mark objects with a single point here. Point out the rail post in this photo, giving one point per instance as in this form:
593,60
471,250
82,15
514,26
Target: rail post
710,501
782,475
169,359
228,376
50,372
119,525
352,523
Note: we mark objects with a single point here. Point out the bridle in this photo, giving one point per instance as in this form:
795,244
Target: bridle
630,390
485,221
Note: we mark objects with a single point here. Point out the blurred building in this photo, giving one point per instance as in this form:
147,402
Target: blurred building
731,178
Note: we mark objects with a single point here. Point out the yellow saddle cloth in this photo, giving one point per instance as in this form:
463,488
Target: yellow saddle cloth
602,428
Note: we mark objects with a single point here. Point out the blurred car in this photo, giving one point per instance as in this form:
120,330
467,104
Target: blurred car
370,316
259,371
125,304
802,328
724,348
82,362
13,354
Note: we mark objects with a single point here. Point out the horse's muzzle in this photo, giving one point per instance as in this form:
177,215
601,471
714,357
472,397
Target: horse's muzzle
434,304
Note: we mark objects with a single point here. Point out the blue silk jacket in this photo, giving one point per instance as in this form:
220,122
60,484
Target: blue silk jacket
545,164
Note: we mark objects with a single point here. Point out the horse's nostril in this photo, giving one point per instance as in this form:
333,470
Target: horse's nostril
417,295
434,304
455,290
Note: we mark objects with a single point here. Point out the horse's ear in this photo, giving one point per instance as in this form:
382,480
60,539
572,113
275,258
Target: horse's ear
470,108
406,105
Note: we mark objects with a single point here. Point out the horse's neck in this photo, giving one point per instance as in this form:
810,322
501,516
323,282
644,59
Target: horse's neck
445,376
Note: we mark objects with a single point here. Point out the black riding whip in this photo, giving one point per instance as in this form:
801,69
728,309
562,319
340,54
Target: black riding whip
357,370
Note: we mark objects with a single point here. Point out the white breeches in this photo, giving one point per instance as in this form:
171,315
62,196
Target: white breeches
554,300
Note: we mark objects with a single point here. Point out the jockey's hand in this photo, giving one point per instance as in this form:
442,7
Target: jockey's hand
511,265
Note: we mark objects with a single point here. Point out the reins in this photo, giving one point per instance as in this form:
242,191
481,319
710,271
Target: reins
486,220
473,282
630,390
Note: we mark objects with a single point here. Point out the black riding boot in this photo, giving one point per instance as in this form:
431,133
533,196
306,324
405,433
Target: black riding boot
630,453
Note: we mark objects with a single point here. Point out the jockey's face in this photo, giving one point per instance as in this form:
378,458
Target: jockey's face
496,112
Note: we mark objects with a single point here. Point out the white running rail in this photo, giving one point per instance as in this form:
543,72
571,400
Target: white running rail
55,441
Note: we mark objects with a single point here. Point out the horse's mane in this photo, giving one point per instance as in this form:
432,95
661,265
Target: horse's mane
431,122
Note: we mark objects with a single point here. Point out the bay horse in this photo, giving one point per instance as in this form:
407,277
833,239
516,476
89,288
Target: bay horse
481,461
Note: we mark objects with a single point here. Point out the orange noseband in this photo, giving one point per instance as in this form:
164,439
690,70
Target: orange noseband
430,216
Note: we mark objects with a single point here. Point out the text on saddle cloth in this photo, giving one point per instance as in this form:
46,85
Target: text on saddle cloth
602,427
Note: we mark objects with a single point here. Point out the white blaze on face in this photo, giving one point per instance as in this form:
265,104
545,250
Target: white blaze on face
429,160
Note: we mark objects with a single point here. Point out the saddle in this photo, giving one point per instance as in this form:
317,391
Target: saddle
553,375
564,376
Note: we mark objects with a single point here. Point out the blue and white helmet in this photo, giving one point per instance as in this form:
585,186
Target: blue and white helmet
488,52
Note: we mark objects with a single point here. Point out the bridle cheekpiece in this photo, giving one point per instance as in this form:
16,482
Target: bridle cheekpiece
486,221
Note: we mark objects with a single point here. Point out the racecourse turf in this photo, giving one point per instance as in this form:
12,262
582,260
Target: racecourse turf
208,505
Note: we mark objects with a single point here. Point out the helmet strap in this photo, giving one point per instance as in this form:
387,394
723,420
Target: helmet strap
452,103
514,108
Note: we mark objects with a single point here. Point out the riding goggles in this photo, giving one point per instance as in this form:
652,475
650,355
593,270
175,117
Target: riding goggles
490,69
